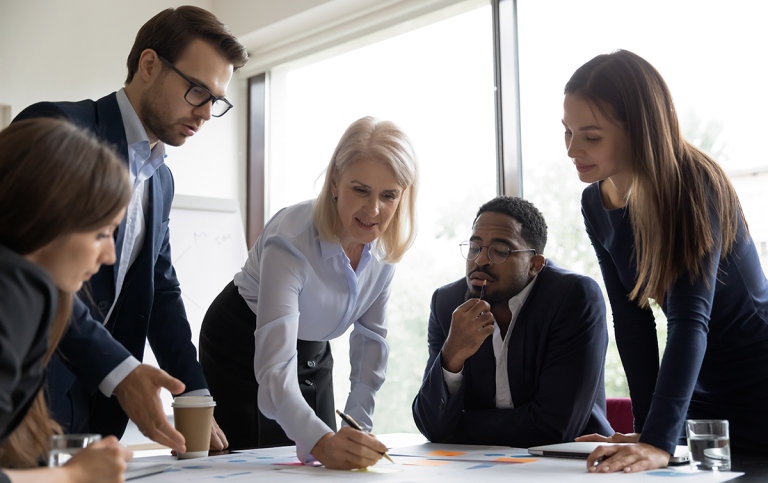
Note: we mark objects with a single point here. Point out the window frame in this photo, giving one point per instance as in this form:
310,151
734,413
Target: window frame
507,101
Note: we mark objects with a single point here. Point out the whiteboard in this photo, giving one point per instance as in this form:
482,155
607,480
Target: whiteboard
207,248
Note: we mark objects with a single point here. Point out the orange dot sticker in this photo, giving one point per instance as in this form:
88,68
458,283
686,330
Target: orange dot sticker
446,453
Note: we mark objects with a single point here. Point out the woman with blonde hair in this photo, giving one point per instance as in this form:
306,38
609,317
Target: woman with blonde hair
667,226
318,268
62,194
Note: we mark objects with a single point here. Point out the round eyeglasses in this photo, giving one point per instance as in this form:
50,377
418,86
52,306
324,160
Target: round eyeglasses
497,252
198,95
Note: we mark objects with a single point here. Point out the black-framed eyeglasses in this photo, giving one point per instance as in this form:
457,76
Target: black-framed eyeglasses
198,95
497,252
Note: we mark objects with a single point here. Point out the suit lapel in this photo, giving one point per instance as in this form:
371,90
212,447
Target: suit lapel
110,128
480,370
521,359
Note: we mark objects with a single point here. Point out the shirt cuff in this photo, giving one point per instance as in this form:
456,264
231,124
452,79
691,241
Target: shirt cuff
109,383
313,432
197,392
453,380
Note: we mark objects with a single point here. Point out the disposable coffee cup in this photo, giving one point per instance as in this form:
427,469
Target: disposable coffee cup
193,416
63,446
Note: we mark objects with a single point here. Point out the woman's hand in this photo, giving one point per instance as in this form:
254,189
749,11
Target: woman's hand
102,461
348,449
616,438
628,458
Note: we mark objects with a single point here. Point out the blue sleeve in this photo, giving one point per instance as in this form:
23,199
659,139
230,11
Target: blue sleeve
89,349
169,333
688,308
368,356
635,330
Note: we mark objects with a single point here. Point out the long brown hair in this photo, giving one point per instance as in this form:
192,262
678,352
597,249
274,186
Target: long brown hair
55,180
676,189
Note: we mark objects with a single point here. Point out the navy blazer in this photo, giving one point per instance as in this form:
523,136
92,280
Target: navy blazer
555,365
149,305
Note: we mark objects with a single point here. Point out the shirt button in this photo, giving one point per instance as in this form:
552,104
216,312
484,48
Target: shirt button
308,382
102,305
310,363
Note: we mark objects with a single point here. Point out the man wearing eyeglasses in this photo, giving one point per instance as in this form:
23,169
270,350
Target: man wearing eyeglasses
517,346
178,72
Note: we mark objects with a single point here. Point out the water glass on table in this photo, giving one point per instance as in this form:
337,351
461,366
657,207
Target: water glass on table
709,444
63,446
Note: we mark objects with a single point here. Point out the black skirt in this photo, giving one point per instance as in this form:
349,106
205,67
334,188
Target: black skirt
227,350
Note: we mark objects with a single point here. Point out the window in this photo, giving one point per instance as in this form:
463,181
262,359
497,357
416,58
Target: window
706,51
436,82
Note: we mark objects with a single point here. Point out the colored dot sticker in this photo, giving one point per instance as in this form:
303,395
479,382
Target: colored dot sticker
446,453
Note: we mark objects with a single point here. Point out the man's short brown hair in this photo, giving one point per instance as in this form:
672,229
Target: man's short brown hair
170,32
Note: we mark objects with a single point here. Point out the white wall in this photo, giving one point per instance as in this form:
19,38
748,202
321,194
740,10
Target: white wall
68,50
76,49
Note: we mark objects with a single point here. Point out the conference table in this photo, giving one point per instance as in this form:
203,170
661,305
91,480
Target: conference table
418,461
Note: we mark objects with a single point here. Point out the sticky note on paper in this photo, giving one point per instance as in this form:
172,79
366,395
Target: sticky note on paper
515,460
446,453
427,463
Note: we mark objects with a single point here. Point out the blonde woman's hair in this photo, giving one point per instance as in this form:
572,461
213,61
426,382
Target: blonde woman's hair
681,204
383,142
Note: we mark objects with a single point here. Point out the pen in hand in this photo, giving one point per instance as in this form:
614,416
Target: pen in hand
353,424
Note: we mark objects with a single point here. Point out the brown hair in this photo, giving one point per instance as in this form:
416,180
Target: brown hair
55,179
170,32
676,189
383,142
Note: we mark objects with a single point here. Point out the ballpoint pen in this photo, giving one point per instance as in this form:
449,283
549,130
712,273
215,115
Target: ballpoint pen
352,423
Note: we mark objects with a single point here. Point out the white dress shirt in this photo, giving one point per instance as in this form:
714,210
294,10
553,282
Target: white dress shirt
143,161
500,351
301,287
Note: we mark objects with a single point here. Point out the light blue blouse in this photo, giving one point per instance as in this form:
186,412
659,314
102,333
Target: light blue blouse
311,292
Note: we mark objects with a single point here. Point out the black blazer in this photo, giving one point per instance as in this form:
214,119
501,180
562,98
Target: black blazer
28,301
555,365
149,305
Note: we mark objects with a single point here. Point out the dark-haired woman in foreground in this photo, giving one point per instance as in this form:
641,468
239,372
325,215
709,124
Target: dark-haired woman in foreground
62,194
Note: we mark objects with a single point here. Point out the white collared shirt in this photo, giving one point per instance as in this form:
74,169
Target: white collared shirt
500,351
302,287
143,161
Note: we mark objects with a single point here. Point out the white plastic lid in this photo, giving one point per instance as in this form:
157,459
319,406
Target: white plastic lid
193,402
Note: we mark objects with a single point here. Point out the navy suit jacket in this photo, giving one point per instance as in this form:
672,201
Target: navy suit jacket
555,366
149,305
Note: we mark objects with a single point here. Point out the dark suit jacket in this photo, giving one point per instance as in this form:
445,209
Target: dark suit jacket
555,366
149,305
28,301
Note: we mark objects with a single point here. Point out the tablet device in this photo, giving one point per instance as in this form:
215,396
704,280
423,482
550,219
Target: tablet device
136,469
583,450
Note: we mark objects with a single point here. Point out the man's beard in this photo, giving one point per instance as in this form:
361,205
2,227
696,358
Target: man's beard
155,120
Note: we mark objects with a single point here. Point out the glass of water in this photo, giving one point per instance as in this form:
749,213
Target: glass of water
709,444
63,446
